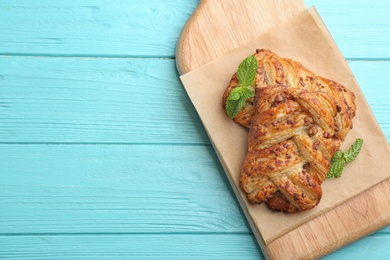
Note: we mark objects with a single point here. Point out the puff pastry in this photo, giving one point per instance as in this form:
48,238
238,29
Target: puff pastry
297,121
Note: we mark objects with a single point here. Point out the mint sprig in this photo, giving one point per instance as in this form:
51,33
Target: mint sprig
341,158
353,152
236,100
246,75
246,72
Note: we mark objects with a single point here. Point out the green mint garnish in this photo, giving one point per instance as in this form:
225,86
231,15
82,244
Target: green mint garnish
353,152
336,167
341,158
236,100
246,75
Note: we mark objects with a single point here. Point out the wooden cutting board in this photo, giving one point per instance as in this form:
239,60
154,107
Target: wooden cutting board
219,26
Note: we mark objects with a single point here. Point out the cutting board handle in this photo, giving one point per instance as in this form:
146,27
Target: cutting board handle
219,26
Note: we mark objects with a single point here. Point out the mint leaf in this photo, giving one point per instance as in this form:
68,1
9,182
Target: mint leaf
337,156
234,106
336,168
340,158
247,93
353,152
246,73
235,94
236,100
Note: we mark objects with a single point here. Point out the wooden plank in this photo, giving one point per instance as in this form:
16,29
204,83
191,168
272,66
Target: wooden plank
301,242
164,246
95,100
120,188
154,246
92,28
218,27
375,246
25,41
367,216
120,28
61,196
107,100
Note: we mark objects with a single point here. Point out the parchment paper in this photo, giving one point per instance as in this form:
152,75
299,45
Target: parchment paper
305,39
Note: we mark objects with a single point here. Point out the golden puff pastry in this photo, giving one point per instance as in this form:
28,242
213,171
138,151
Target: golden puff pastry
274,70
296,122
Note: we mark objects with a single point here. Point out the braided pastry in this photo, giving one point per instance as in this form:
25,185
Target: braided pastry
296,122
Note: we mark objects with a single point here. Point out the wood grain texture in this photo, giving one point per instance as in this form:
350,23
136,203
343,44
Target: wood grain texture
164,246
123,28
92,28
82,138
95,188
86,195
111,100
95,100
114,246
338,230
217,27
198,44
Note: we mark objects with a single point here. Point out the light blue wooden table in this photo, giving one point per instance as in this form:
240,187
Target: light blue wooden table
102,153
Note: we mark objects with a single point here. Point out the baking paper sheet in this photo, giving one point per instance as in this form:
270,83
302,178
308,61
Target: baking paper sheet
303,38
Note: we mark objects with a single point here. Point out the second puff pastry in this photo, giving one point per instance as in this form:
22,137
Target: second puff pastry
296,122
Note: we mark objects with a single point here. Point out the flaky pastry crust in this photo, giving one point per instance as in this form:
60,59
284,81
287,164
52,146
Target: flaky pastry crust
297,121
